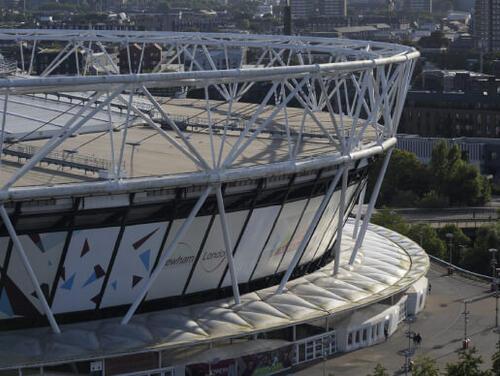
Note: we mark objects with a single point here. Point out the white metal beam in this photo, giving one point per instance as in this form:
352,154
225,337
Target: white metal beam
34,280
227,244
371,206
166,254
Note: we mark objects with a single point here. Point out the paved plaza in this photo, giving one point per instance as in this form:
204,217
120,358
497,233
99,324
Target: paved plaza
441,326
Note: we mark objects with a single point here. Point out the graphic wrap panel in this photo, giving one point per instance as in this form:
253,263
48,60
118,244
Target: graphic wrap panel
251,243
213,260
174,275
43,252
281,235
84,269
134,262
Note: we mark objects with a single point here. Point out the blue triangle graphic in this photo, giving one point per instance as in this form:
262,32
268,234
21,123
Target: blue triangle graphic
5,306
68,285
114,284
145,258
91,279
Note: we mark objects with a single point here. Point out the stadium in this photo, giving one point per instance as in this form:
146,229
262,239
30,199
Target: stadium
194,216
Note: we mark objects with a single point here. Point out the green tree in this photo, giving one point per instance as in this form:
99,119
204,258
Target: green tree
379,370
391,220
478,257
469,364
425,366
428,238
455,178
495,359
460,245
405,173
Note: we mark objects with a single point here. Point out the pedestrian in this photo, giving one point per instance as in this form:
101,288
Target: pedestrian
418,338
429,288
386,333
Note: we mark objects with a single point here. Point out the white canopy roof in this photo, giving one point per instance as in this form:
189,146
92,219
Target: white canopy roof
388,263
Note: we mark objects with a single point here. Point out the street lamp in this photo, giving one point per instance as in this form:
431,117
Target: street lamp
409,320
493,252
449,236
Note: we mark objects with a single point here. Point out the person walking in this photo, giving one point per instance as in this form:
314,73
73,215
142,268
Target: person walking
429,288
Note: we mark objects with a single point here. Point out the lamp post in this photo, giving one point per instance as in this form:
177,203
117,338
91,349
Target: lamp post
409,320
493,252
449,236
466,340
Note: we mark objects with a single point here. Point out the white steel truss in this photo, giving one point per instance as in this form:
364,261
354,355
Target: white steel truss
346,94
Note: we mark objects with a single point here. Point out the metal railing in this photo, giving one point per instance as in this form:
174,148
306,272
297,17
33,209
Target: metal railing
460,270
66,158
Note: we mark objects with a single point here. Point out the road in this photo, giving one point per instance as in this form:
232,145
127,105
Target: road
441,326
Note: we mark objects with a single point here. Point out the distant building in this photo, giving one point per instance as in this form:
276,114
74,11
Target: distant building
420,6
487,24
459,81
229,59
71,65
318,8
151,58
433,114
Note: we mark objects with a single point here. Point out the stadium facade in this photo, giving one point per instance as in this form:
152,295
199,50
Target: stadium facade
135,226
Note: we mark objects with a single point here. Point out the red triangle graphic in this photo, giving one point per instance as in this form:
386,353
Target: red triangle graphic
85,248
142,240
135,280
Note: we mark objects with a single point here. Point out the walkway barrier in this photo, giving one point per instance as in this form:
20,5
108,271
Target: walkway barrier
463,271
63,159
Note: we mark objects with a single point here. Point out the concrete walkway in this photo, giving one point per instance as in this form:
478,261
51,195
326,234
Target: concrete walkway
441,326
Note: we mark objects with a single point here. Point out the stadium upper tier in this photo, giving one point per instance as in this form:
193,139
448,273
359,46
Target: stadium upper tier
283,104
88,157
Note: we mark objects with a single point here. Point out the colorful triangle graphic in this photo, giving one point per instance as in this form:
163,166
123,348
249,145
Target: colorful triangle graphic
145,258
142,240
68,285
85,248
35,238
5,306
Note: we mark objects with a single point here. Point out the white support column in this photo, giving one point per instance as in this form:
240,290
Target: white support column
361,201
371,206
227,244
166,254
340,225
310,229
4,120
30,69
29,270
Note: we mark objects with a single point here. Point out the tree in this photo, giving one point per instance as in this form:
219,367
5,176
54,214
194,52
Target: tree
391,220
478,257
379,371
468,365
496,361
461,242
428,239
405,173
425,366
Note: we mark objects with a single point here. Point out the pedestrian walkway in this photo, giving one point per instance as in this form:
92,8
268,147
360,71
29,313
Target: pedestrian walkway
441,327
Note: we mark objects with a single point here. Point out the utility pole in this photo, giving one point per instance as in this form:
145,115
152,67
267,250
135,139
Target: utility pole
465,342
449,236
409,320
493,252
